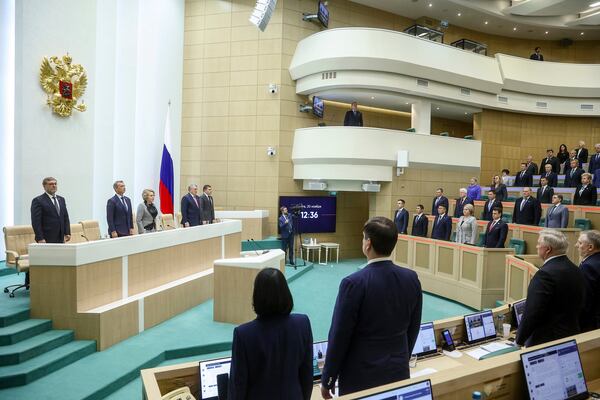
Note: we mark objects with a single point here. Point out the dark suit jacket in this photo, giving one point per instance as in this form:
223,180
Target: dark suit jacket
374,328
286,229
495,237
552,161
554,303
401,221
350,119
523,179
460,206
207,206
190,212
582,156
545,198
48,224
587,198
590,317
442,229
575,180
536,57
531,214
594,163
419,228
500,192
443,202
552,179
119,218
568,164
487,213
271,358
557,218
532,168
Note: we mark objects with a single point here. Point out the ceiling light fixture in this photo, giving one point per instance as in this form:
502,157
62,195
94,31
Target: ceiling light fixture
459,14
581,33
437,108
596,4
515,28
545,33
430,5
372,98
486,22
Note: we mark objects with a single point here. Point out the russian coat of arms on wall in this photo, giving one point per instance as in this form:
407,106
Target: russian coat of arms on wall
64,83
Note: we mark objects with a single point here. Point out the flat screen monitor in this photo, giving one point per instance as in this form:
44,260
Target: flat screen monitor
211,371
555,373
480,326
311,214
425,343
323,14
319,352
318,107
416,391
518,309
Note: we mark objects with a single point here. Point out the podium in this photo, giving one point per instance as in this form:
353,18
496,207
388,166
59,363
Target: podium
234,284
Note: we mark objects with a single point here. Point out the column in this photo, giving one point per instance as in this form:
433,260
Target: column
420,117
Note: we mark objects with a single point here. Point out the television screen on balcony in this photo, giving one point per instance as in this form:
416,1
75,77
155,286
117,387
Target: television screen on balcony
323,14
312,214
318,107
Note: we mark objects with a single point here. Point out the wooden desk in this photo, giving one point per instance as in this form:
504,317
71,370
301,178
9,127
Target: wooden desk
109,290
255,224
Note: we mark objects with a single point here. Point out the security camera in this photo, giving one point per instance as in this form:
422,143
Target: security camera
271,151
273,88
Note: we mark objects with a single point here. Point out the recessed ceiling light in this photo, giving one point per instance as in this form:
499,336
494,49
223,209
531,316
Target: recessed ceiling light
459,14
430,5
372,98
581,33
466,113
407,103
545,33
596,4
515,28
486,22
437,108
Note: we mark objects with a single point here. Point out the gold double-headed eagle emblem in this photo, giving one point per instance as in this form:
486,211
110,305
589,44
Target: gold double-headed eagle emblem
64,83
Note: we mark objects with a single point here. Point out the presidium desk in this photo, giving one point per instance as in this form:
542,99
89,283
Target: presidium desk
109,290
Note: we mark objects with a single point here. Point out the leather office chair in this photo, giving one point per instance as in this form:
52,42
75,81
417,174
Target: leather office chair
91,229
16,240
77,235
167,222
507,217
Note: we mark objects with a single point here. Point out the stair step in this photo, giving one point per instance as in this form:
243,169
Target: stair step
34,346
45,364
23,330
12,317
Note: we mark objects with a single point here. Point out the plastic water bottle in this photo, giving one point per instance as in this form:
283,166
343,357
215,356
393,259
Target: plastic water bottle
476,396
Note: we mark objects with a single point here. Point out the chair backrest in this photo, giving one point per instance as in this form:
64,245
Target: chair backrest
17,238
77,234
583,223
518,244
135,226
506,217
167,222
481,241
542,221
91,229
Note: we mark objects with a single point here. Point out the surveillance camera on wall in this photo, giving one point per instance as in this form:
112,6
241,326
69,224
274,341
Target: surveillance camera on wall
271,151
273,88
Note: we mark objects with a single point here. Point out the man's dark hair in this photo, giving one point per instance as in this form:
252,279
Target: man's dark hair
498,209
491,192
549,150
402,200
507,171
205,187
271,294
420,206
560,196
383,235
536,49
440,189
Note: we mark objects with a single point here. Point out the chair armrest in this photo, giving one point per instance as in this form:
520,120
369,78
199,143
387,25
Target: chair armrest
10,255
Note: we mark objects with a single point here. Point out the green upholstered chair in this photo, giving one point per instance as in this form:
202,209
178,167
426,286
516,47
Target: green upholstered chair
542,221
566,201
518,244
481,240
453,237
444,134
583,223
411,130
511,199
506,217
469,137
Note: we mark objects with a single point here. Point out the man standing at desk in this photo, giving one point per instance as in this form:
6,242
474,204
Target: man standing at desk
190,207
49,216
376,318
207,205
118,212
353,117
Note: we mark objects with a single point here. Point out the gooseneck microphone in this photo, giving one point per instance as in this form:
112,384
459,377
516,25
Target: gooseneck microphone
260,248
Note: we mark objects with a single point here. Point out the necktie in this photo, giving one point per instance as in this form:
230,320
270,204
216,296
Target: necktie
581,190
124,204
523,203
492,225
551,211
56,204
543,190
572,172
417,220
195,200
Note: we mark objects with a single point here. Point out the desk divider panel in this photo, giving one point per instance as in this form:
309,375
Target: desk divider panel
468,266
423,255
99,283
446,255
401,251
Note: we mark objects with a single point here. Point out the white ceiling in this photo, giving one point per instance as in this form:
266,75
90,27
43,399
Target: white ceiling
531,18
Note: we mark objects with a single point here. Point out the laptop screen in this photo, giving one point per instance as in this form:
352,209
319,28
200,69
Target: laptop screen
519,309
319,352
209,372
425,343
554,372
480,326
416,391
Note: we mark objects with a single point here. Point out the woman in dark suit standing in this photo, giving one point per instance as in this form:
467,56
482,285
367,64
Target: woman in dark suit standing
271,357
499,188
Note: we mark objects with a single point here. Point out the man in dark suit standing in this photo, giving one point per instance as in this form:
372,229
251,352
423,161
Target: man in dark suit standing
551,177
190,207
401,218
420,223
461,202
573,174
286,229
550,159
585,194
353,117
537,55
207,205
532,168
572,156
555,294
528,210
442,225
595,160
119,213
557,215
523,178
544,192
439,200
588,245
582,153
489,205
49,215
496,231
376,318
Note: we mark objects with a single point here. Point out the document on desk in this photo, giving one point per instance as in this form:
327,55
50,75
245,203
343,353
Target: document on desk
495,346
424,371
477,353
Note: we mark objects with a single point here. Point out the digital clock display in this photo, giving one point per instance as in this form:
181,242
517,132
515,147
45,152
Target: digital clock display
312,214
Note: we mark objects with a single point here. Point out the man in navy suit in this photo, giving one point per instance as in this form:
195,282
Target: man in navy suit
489,205
589,252
420,223
376,318
49,215
496,231
585,194
439,200
461,202
595,160
286,228
523,178
554,296
573,174
353,117
544,192
550,159
119,214
190,207
557,215
401,218
207,205
528,210
550,176
442,225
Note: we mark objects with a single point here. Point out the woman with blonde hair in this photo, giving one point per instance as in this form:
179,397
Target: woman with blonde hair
147,214
466,227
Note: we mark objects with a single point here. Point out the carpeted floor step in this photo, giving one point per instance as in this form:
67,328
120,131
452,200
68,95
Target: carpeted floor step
23,330
34,346
45,364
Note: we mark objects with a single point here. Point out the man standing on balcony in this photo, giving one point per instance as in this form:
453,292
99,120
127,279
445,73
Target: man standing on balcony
353,117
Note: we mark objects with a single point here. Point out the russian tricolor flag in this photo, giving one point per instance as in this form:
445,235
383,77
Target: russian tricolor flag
165,188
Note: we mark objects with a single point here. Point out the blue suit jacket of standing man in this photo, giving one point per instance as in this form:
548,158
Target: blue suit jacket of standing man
401,221
442,228
119,218
190,210
557,217
48,224
375,325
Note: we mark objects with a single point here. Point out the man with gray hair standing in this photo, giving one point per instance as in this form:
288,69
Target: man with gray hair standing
588,245
190,207
555,294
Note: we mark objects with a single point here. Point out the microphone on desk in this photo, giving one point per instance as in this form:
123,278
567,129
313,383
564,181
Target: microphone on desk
85,237
260,248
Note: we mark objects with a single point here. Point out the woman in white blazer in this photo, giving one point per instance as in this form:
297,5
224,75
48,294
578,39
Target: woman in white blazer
466,227
147,215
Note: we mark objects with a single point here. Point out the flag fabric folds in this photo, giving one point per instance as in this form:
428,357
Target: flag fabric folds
165,188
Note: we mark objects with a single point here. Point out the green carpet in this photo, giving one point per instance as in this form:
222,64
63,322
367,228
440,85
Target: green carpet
193,335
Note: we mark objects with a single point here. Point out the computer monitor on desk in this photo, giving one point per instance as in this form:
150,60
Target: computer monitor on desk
416,391
425,343
555,372
518,310
214,375
480,326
